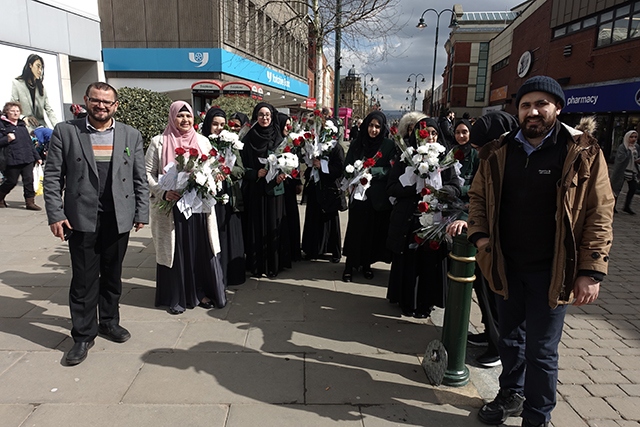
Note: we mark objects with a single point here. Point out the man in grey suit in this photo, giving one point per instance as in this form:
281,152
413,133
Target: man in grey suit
98,164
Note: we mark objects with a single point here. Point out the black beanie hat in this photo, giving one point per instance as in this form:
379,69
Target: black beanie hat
541,84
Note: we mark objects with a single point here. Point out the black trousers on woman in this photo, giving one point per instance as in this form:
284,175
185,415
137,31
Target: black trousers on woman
11,175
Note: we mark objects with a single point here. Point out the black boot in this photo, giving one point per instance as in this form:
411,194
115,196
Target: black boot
3,204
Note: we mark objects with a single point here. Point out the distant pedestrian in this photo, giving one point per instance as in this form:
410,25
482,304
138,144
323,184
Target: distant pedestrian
408,122
625,169
541,212
95,191
445,123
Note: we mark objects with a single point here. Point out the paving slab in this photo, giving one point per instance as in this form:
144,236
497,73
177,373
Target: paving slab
16,301
33,334
65,415
197,377
265,305
213,336
241,415
15,415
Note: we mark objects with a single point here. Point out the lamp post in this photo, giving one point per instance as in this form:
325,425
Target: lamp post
370,86
422,24
415,88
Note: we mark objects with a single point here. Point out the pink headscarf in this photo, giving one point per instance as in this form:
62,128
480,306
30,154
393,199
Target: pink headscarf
173,138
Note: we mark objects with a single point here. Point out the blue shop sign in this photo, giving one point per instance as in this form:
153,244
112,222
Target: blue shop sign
604,98
198,60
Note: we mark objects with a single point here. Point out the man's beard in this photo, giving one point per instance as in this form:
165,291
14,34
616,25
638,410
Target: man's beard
94,116
541,128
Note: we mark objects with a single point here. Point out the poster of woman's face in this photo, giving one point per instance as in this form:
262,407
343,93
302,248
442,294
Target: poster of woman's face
31,78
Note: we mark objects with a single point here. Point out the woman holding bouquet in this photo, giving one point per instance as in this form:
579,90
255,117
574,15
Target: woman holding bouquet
417,271
228,215
264,201
189,273
364,241
292,187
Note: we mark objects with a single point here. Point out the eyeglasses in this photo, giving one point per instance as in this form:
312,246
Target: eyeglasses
264,116
102,101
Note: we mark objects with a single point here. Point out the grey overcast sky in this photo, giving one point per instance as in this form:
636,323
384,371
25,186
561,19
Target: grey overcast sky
412,48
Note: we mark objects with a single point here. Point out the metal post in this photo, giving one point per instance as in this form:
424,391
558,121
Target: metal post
435,58
336,79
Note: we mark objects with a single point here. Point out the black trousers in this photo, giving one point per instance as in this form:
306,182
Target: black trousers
96,283
633,185
11,175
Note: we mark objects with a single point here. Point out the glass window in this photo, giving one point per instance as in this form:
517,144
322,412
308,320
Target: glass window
574,27
620,29
559,31
635,25
621,11
589,22
604,34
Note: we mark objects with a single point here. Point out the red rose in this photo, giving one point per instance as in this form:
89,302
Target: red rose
392,162
434,245
221,159
289,127
393,130
378,155
195,127
307,135
425,192
369,163
364,181
423,134
294,118
458,155
226,170
287,149
297,141
213,152
193,152
295,173
317,113
180,151
423,206
304,120
423,125
418,239
204,157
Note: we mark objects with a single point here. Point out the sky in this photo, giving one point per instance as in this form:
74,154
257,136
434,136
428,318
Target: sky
412,49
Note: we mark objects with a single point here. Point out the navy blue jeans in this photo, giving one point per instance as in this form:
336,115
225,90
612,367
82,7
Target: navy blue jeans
530,332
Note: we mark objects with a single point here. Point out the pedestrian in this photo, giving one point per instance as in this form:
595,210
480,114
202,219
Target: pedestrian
262,220
541,211
29,91
418,271
95,191
625,169
20,156
237,120
445,123
408,122
355,130
368,223
188,269
228,215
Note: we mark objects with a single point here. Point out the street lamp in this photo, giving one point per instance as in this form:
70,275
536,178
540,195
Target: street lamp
422,24
415,88
370,92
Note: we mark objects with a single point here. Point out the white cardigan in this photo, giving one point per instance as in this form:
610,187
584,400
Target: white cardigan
162,225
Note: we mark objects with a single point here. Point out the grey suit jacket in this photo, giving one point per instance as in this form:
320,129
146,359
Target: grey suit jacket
71,169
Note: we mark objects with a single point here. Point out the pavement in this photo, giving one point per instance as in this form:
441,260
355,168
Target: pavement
303,349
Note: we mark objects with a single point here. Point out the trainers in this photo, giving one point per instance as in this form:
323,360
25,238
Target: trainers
479,340
528,423
507,404
489,359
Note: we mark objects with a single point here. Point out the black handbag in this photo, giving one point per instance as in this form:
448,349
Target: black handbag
3,158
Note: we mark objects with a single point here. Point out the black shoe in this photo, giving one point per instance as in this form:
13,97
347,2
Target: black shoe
335,259
206,304
115,333
367,273
489,359
347,275
527,423
421,315
271,274
175,312
507,404
78,353
408,313
628,210
478,340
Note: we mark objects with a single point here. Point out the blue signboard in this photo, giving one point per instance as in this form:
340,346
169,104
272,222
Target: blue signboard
199,60
600,99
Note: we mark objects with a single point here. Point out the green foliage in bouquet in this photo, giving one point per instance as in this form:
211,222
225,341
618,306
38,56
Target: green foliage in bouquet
143,109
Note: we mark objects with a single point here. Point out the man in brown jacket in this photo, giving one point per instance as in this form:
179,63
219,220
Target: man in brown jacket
540,213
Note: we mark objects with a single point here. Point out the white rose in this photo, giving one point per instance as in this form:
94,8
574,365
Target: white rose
423,168
357,164
426,219
423,149
201,178
350,169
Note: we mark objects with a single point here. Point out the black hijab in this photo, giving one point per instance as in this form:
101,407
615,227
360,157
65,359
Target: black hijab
466,148
263,139
242,117
428,122
282,122
208,119
368,145
491,126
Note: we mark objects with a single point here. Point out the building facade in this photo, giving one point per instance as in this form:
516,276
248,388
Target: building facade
168,45
352,94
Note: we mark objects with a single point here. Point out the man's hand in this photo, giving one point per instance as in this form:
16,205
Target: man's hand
456,227
585,290
138,226
57,228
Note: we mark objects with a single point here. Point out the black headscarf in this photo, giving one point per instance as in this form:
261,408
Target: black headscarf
282,122
429,122
208,119
370,145
466,147
242,117
491,126
263,139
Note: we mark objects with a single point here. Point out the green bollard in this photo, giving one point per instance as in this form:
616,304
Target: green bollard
456,315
